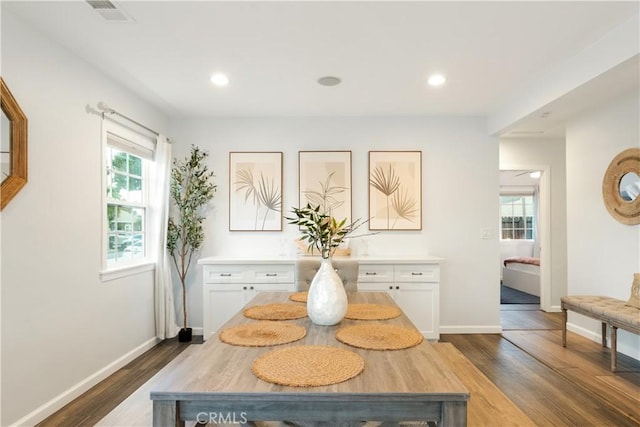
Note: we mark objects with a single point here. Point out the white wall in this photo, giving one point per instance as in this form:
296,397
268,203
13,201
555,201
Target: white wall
603,254
460,197
532,153
61,326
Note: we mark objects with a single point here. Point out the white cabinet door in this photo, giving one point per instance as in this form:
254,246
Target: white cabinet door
375,287
420,302
223,301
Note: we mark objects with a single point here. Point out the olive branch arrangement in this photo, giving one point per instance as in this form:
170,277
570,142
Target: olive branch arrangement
321,231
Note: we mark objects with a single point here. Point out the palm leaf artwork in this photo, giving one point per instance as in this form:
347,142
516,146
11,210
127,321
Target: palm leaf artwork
326,198
386,183
266,194
269,196
404,205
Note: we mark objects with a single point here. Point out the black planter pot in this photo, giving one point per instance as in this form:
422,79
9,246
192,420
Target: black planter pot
185,335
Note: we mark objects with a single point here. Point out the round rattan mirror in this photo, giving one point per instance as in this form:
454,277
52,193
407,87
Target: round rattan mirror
16,147
621,186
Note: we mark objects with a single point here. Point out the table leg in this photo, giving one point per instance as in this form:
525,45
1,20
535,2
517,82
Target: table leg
614,348
166,413
564,327
454,414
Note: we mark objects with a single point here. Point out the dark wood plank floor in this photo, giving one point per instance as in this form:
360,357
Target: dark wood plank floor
554,386
101,399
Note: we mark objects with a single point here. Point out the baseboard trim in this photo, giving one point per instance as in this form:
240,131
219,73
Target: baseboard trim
53,405
627,350
467,329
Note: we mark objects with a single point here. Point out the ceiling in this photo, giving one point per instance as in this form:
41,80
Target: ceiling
274,52
518,178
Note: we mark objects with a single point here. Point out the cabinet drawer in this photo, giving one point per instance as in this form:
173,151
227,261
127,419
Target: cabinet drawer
227,274
273,274
417,273
375,273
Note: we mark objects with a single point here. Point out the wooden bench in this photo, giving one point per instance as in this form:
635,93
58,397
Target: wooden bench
610,311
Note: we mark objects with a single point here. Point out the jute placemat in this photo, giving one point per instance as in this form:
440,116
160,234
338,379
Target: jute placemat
299,296
372,312
379,337
308,366
263,333
275,312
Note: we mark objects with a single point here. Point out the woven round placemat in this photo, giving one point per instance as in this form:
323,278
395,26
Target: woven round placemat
275,312
379,337
308,366
299,296
263,333
372,312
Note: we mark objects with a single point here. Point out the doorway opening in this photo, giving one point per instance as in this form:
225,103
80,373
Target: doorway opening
523,235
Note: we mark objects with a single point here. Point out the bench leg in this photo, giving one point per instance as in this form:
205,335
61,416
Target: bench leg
564,327
614,348
604,334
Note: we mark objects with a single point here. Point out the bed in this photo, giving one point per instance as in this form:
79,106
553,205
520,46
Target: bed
522,273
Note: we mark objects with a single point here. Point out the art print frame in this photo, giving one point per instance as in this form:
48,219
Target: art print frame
255,190
395,190
324,179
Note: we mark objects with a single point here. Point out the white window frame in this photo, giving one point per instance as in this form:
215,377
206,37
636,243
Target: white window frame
523,193
123,138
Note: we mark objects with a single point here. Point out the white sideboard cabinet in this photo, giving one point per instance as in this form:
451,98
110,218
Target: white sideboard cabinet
414,287
229,284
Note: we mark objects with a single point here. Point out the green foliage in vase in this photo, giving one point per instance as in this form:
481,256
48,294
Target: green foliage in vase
191,190
321,231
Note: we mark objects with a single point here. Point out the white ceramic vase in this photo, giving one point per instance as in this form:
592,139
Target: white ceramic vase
327,299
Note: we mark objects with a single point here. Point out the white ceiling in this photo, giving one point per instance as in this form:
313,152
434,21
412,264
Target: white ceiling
518,178
273,52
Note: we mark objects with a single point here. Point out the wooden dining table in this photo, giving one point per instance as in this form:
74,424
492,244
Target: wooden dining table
216,382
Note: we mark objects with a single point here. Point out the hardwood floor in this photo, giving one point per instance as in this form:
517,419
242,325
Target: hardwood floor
101,399
552,385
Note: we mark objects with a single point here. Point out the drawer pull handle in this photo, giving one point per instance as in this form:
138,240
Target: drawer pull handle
225,274
416,274
272,274
370,273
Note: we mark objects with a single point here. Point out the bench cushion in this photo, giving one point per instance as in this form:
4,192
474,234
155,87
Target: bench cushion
634,299
608,309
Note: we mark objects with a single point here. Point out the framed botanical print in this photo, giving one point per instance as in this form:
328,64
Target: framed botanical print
395,190
255,191
324,179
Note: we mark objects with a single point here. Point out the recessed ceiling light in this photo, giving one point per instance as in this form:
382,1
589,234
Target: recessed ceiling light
436,80
535,174
329,81
219,79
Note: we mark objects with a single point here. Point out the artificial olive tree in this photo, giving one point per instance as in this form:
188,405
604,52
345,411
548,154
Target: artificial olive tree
191,190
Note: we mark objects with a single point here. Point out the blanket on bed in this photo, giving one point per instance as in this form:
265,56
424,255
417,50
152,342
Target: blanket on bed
522,260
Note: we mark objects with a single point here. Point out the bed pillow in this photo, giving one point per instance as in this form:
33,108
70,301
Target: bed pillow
634,299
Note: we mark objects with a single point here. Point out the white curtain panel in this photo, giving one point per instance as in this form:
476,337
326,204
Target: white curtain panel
536,222
165,315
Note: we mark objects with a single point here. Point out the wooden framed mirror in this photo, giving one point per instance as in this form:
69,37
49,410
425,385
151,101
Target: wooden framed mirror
14,146
621,187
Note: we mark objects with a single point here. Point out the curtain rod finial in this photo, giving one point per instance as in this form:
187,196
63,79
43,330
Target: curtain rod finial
103,106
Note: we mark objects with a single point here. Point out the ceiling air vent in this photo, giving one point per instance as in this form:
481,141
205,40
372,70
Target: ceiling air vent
109,11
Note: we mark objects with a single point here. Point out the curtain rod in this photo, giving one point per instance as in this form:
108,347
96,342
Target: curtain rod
106,109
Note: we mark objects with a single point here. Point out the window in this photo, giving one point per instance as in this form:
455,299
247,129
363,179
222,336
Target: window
126,174
516,211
